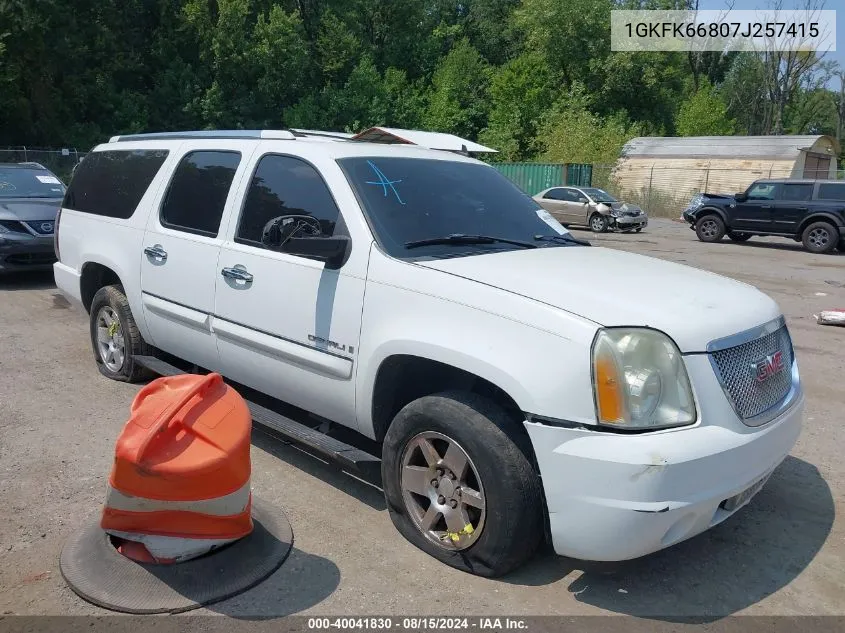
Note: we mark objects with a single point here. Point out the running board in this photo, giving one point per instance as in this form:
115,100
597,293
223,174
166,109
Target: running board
359,462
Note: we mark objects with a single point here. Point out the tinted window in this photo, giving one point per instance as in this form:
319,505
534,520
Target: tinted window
796,192
112,183
197,192
555,194
408,199
20,182
832,191
283,185
762,191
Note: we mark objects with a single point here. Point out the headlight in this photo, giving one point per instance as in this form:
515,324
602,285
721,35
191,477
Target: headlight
640,381
615,213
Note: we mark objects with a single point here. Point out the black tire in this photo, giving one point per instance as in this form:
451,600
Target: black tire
710,228
598,223
500,451
113,299
637,230
739,237
820,237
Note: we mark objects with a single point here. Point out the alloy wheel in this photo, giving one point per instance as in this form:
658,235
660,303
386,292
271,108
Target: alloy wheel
110,342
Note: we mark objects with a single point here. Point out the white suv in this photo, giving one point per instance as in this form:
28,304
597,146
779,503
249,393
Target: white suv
420,298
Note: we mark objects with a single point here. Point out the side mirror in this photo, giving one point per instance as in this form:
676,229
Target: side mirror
741,196
583,200
331,250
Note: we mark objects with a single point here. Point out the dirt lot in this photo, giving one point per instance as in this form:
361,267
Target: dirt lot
783,554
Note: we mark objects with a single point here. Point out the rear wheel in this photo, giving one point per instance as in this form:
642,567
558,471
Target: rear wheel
739,237
115,336
460,485
710,228
820,237
598,223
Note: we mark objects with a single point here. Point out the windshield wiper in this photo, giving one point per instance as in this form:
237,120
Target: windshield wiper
566,239
462,238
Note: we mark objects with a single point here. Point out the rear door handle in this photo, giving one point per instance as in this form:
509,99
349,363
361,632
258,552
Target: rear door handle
803,208
766,206
239,274
156,251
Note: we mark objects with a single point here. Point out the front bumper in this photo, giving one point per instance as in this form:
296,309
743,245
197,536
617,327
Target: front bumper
631,221
25,252
614,497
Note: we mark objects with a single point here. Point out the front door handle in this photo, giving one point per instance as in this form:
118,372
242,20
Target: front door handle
803,208
239,274
766,206
156,251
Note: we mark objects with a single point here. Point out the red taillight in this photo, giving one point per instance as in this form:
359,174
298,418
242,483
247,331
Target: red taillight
56,234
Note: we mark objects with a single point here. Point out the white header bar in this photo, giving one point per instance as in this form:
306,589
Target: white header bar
755,30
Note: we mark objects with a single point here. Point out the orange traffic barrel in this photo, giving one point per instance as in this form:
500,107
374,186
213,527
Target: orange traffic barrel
180,484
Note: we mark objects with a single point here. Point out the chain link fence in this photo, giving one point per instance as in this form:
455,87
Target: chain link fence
665,191
60,161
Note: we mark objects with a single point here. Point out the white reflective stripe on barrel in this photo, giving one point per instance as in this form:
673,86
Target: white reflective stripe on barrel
173,547
228,505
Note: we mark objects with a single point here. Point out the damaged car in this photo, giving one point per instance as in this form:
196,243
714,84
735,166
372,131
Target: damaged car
591,207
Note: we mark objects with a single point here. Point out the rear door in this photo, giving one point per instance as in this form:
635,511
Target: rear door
756,213
792,206
181,247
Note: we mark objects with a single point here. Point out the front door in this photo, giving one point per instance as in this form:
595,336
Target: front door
181,247
755,213
284,324
578,206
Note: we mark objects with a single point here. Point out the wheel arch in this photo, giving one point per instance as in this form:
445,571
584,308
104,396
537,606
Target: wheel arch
818,217
705,211
94,275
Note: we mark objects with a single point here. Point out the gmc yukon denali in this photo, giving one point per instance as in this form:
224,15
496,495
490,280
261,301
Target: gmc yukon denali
419,298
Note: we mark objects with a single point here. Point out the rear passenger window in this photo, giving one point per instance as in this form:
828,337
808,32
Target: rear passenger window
197,192
832,191
112,183
283,185
798,193
555,194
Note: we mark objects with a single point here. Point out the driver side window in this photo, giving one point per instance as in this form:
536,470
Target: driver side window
284,185
763,191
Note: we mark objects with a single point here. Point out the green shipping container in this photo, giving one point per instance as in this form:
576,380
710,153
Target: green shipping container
532,178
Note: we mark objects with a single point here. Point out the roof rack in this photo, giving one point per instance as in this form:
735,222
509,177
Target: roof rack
206,134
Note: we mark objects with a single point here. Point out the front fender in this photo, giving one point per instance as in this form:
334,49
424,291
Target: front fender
546,373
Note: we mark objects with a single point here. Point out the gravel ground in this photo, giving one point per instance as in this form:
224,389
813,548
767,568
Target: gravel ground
782,555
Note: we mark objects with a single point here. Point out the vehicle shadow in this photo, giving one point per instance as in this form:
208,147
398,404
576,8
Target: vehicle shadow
738,563
27,280
302,581
784,245
297,457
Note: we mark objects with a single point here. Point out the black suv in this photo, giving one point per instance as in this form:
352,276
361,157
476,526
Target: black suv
809,211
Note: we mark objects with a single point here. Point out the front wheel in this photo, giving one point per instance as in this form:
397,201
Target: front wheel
598,223
820,237
710,228
638,230
115,336
459,483
739,237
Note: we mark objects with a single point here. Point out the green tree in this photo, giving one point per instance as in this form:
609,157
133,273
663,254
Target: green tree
520,93
458,98
576,135
704,113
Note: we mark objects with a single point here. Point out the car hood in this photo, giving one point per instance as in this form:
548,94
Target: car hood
621,206
29,209
615,288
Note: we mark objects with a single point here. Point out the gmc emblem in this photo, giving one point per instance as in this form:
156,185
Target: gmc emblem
767,367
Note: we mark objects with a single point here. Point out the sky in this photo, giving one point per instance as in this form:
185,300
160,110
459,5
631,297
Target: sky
838,5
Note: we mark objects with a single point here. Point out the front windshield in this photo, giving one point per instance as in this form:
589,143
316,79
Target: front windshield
599,195
17,182
411,199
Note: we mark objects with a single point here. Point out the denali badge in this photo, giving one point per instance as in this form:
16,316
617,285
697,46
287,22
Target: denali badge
767,367
320,341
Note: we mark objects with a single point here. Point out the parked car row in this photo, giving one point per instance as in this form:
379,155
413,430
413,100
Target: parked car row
808,211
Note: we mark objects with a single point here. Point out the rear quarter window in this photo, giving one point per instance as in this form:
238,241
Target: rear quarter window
112,183
831,191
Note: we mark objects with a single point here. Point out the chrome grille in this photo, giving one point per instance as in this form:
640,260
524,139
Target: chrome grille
750,375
